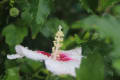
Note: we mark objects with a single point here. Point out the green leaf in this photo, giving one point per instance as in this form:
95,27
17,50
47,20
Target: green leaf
35,14
51,27
42,11
14,35
116,64
104,4
26,17
116,10
89,5
98,5
91,68
12,74
72,42
86,36
107,27
77,25
35,65
68,43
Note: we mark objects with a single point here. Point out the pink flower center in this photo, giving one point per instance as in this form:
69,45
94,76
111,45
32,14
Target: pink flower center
62,56
44,53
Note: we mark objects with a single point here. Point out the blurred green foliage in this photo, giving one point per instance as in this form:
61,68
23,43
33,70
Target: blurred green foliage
94,25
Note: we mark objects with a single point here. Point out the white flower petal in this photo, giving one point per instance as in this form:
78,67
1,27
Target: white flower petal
60,67
75,54
76,51
14,56
23,51
65,67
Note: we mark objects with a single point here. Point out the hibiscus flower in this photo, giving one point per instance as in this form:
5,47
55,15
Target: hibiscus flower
58,62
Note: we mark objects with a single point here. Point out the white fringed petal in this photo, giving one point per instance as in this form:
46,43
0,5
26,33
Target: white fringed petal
23,51
14,56
65,67
75,54
59,67
30,54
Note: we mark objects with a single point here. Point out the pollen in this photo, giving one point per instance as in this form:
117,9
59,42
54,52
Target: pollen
57,43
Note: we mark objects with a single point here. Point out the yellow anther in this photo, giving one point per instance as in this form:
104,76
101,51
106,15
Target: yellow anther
57,43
